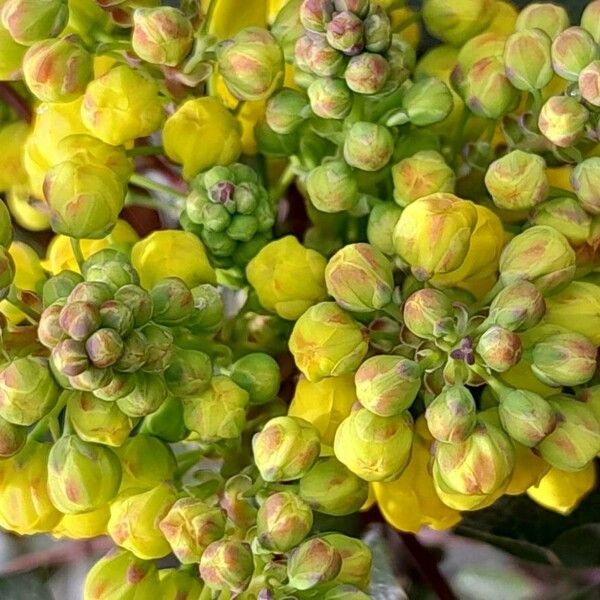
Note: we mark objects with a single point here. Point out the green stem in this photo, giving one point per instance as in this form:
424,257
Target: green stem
27,310
145,151
498,387
77,252
459,134
208,17
394,311
537,101
284,181
154,186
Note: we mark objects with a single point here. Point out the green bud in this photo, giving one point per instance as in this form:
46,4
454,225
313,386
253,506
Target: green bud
188,373
98,421
119,385
286,448
12,438
589,19
93,292
285,111
360,278
190,526
22,380
159,347
428,313
29,21
149,392
7,271
344,32
237,501
576,440
332,489
345,592
138,300
374,448
427,101
120,575
81,476
368,146
585,180
251,64
161,36
540,255
314,562
134,521
572,50
287,27
332,187
218,413
79,320
6,229
499,348
367,73
111,267
562,119
377,30
517,181
357,561
419,175
315,14
316,56
49,331
134,353
179,584
59,286
452,415
227,565
104,347
91,379
550,18
517,307
70,358
564,359
358,7
58,70
172,301
166,423
330,98
527,59
382,222
567,216
589,83
283,521
117,316
526,417
387,385
259,375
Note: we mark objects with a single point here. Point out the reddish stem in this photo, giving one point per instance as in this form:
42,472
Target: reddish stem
15,101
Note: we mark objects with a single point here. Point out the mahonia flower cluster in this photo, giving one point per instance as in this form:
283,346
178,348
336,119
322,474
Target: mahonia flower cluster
415,325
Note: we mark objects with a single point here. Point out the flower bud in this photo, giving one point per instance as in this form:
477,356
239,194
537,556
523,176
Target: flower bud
166,423
134,353
377,29
12,438
6,229
499,348
120,575
118,386
188,373
286,448
91,379
49,330
251,64
60,286
567,216
159,347
433,234
238,502
327,342
517,307
70,358
564,359
161,36
79,320
227,565
357,561
57,70
382,221
526,417
179,584
585,179
374,448
427,101
29,21
452,415
360,278
314,562
21,380
104,347
315,14
572,50
148,393
190,526
81,476
332,187
562,119
117,316
428,313
208,317
135,517
172,301
550,18
517,181
284,113
283,521
589,19
111,267
540,255
576,440
344,32
138,300
368,146
7,271
330,98
589,83
420,175
258,374
366,73
387,385
527,59
92,292
332,489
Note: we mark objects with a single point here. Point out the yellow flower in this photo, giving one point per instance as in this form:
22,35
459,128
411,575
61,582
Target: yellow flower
561,491
287,277
12,140
230,16
29,275
325,404
202,133
28,212
504,19
60,257
83,526
172,253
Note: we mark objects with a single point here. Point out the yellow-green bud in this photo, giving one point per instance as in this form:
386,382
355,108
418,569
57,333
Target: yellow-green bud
60,286
286,448
27,390
111,267
382,221
29,21
161,36
540,255
527,59
91,379
374,448
549,17
499,348
572,50
283,521
368,146
179,584
167,422
344,32
327,342
567,216
81,476
70,358
227,565
518,307
285,111
332,187
117,316
517,181
330,98
259,375
576,440
428,313
172,300
119,385
159,349
526,417
148,393
190,526
104,347
50,332
317,57
314,562
92,292
332,489
188,373
452,415
356,562
585,180
79,320
138,300
427,101
12,438
589,83
134,353
562,119
367,73
7,271
6,229
315,14
590,19
377,29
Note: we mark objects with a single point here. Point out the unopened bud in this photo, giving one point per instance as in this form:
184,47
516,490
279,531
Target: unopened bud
12,438
356,561
117,316
285,111
29,21
332,187
562,119
227,565
345,33
104,347
499,348
314,562
428,313
138,300
259,375
60,286
188,373
172,300
527,59
549,17
368,146
367,73
572,50
585,180
452,415
148,393
517,307
427,101
330,98
70,358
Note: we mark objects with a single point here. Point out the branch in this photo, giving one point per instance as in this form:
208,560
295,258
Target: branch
15,101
